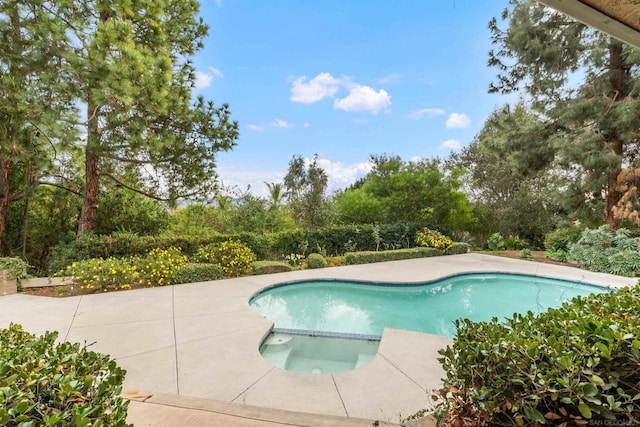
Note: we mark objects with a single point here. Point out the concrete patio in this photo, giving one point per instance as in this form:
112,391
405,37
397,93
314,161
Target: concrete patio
201,339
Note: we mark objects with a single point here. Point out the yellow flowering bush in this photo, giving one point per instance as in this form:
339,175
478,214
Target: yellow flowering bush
234,257
433,239
160,266
102,274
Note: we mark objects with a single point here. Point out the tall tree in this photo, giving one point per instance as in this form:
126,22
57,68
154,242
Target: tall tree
585,84
132,64
510,172
398,191
34,98
305,184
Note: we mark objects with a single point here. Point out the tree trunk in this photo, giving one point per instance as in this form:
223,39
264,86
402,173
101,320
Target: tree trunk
4,201
89,211
617,76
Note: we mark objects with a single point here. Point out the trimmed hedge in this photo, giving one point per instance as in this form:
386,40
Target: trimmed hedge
268,267
367,257
458,248
198,272
574,365
44,383
331,241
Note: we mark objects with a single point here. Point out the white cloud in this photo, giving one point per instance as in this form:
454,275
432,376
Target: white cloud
342,175
426,112
275,123
364,98
279,123
306,124
451,144
393,77
458,120
324,85
203,80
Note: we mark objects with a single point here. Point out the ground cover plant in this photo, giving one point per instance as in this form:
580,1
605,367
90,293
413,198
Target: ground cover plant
569,366
606,251
47,384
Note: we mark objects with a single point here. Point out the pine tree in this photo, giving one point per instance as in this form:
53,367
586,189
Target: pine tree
584,84
132,63
35,100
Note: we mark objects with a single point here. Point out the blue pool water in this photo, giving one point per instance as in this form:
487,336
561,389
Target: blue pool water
357,308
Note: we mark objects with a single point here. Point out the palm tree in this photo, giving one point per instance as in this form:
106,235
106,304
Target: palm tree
276,193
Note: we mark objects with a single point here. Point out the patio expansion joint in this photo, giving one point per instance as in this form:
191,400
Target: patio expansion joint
339,395
402,372
175,339
252,384
66,336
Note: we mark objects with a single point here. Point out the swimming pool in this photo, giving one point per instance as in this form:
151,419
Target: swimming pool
365,308
326,307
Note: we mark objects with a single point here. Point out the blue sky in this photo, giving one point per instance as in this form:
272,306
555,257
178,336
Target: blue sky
345,79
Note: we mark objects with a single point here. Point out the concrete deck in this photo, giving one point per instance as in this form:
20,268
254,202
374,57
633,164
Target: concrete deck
201,339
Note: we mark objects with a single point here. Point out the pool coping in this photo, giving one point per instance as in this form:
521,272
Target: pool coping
201,339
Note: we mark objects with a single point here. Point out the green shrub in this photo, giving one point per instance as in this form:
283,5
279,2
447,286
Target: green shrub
64,384
574,365
234,257
335,261
515,243
561,238
268,267
458,248
15,266
496,242
608,252
559,255
364,257
316,261
192,272
367,257
525,253
433,239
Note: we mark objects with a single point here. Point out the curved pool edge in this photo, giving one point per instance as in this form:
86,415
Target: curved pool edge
429,282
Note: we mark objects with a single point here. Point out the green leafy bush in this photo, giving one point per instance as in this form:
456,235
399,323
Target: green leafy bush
525,253
496,242
608,252
335,261
17,267
234,257
561,238
367,257
316,261
268,267
574,365
44,383
433,239
515,243
192,272
557,242
458,248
